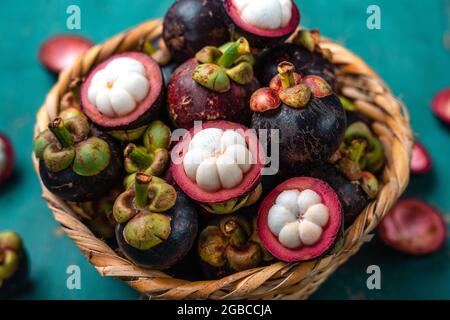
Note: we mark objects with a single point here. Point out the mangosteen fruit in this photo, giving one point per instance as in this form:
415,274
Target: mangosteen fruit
300,219
215,85
218,164
60,52
7,158
351,193
122,94
304,53
225,247
189,25
413,227
307,114
152,157
76,161
265,23
13,265
441,105
157,225
421,162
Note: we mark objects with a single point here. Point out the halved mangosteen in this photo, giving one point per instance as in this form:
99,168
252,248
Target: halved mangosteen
157,225
308,115
7,158
76,161
189,25
215,85
300,219
123,93
13,265
265,23
219,165
304,53
225,246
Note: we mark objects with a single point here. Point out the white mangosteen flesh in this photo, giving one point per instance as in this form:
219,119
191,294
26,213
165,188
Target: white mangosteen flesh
117,89
217,159
3,157
298,218
267,14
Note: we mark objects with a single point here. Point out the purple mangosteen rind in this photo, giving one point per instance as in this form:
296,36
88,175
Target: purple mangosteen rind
189,25
183,231
146,110
7,169
259,38
305,62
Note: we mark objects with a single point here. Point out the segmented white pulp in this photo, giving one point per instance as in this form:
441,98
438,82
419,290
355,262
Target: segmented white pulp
119,87
217,159
3,157
266,14
297,218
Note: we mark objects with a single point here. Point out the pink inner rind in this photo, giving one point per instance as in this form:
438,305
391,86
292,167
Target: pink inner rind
330,231
233,13
155,77
251,178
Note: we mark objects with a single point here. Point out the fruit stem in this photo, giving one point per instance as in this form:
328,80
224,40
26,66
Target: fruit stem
141,190
357,150
58,128
238,236
141,158
286,72
233,52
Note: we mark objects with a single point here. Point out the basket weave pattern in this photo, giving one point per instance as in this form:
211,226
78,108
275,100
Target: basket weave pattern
280,280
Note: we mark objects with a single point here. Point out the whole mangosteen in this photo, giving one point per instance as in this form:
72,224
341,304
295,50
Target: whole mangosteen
264,23
308,115
157,225
76,161
215,85
300,220
219,164
13,265
304,53
123,94
225,247
190,25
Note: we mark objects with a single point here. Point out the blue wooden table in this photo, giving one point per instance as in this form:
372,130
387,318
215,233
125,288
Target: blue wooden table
411,52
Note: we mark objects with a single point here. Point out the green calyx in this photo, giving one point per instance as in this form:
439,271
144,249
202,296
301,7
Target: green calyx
374,158
347,104
57,159
370,184
157,136
219,66
309,39
128,135
211,246
233,205
92,157
146,194
137,158
10,253
292,94
147,230
42,141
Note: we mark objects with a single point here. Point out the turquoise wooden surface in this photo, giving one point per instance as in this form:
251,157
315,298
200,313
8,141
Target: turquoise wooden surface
409,52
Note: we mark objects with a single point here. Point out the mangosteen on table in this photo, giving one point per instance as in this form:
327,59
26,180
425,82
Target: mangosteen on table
157,225
123,94
304,53
76,161
7,158
215,85
264,23
152,157
13,265
308,115
300,219
218,164
225,247
189,25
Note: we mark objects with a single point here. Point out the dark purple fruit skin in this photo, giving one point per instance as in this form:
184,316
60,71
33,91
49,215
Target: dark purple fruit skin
190,25
187,101
352,196
69,186
309,136
306,63
184,227
18,283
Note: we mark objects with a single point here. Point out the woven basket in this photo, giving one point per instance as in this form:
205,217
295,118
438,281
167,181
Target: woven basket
280,280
